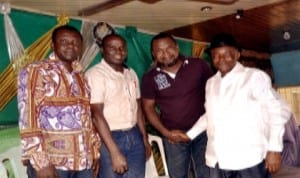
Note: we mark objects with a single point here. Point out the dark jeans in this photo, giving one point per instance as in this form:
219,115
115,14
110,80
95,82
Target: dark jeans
181,156
257,171
87,173
132,146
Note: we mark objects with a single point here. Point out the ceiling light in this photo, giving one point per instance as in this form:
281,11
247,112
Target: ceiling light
206,8
286,35
239,14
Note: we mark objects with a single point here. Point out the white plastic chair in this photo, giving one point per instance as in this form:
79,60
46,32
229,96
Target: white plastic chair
3,171
151,171
14,157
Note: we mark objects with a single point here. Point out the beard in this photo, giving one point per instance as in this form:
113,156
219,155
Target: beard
171,64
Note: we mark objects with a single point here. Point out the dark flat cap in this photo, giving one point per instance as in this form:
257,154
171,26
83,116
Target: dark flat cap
223,39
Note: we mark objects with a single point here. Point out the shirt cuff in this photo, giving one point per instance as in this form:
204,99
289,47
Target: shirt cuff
193,133
276,139
39,161
197,128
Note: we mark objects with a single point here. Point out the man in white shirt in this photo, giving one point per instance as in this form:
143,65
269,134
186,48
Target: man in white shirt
244,117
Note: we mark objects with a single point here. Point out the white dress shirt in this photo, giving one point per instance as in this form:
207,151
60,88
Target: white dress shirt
244,119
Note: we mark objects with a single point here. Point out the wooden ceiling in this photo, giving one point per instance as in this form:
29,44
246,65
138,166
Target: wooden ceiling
259,29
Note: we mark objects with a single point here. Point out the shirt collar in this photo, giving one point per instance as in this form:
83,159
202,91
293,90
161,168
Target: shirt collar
58,62
126,68
237,68
185,62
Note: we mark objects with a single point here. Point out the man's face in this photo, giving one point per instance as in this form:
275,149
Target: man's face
114,50
165,51
224,58
67,46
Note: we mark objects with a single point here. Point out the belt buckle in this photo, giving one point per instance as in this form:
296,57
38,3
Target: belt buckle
126,129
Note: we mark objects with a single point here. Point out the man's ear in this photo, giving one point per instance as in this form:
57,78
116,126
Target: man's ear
237,55
52,45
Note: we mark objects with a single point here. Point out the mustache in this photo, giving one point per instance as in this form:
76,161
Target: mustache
159,64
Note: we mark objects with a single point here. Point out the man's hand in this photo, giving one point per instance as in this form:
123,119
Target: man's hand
178,136
148,149
119,163
47,172
95,167
25,162
273,161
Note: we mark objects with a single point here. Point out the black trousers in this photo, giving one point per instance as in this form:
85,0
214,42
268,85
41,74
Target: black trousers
257,171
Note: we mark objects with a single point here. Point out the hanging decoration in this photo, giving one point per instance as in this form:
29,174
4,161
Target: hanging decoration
14,46
100,30
36,51
93,35
90,47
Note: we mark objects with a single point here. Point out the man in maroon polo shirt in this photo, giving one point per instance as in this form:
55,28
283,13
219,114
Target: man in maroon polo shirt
176,86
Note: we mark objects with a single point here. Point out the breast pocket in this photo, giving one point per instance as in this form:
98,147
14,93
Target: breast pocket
133,88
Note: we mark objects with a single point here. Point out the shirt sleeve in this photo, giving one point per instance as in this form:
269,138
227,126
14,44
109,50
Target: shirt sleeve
97,84
276,110
199,127
207,70
137,85
147,88
30,96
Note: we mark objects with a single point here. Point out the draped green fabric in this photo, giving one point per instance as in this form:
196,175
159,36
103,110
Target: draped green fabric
139,56
30,26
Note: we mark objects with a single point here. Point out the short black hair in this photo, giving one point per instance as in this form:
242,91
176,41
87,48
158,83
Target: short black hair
111,35
161,36
65,27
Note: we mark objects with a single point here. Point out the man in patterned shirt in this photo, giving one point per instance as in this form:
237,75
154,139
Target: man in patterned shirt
57,134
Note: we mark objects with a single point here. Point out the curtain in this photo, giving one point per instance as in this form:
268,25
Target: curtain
139,56
292,96
199,49
38,50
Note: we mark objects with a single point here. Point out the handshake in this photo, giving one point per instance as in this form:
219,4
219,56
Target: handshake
177,136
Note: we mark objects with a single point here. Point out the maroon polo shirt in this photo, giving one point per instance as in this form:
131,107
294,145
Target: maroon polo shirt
180,100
